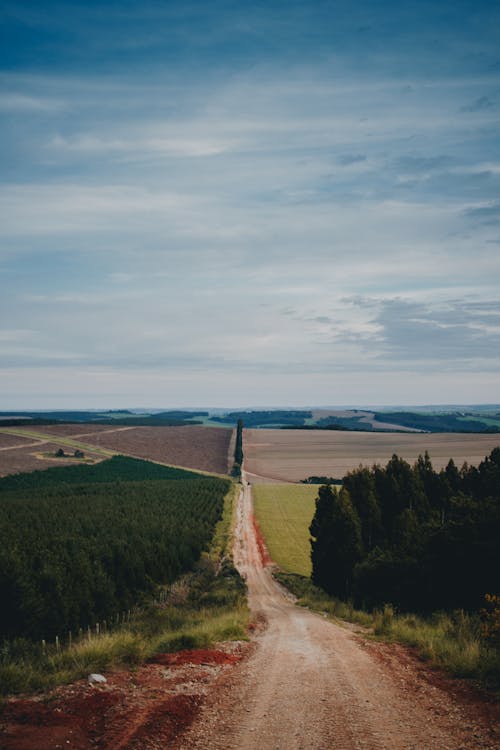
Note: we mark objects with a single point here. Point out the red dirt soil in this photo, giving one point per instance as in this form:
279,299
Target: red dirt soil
261,545
146,708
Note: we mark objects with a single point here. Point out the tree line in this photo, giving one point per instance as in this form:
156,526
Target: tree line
76,553
238,450
411,536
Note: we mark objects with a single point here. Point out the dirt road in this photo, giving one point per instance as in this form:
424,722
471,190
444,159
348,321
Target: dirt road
313,684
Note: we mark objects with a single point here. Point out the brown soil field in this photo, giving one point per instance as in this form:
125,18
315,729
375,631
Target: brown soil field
292,455
204,448
73,430
31,458
12,441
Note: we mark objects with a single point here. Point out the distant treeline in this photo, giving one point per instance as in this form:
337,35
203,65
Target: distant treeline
321,480
262,418
419,539
81,544
173,418
435,422
314,427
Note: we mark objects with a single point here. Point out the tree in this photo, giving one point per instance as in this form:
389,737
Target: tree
361,487
336,545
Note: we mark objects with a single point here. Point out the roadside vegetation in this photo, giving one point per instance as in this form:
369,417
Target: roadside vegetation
463,644
185,525
406,551
238,451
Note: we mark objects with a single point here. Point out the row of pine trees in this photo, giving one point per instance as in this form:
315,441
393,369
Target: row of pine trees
420,539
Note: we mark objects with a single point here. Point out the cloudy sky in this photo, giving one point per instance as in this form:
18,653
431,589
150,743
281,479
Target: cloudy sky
249,203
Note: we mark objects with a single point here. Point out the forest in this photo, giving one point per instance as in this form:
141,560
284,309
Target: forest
410,536
265,418
81,544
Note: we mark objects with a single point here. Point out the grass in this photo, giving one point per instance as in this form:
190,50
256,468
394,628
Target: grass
284,512
204,607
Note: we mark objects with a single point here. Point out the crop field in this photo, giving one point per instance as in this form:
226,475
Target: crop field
202,448
8,441
284,512
293,455
37,455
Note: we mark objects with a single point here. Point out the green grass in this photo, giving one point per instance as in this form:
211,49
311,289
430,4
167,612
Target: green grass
204,607
284,513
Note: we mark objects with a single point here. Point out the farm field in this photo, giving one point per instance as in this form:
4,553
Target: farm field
8,441
202,448
293,455
36,454
27,448
284,513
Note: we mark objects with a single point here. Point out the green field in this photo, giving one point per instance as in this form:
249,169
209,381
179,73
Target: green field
284,512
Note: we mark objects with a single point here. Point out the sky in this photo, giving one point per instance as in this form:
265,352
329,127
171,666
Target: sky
229,204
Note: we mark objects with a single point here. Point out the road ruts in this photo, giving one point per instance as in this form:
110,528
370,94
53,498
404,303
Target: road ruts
311,684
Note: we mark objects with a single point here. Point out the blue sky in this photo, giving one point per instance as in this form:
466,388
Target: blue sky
262,203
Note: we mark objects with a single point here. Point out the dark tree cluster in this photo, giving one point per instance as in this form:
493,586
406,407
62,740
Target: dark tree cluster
238,450
265,418
419,539
76,553
436,422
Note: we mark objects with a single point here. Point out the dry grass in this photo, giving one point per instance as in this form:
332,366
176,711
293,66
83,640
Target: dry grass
292,455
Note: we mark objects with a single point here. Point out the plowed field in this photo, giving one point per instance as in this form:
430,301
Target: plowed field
292,455
203,448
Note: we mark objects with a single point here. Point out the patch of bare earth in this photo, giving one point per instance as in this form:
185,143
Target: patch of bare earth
147,708
8,441
33,457
292,455
74,430
204,448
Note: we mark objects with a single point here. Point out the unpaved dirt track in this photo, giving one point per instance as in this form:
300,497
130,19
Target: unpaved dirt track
312,684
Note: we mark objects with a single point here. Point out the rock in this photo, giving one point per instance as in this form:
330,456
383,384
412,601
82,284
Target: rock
96,679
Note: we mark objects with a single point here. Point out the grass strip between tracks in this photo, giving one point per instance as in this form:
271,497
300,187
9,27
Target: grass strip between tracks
204,607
